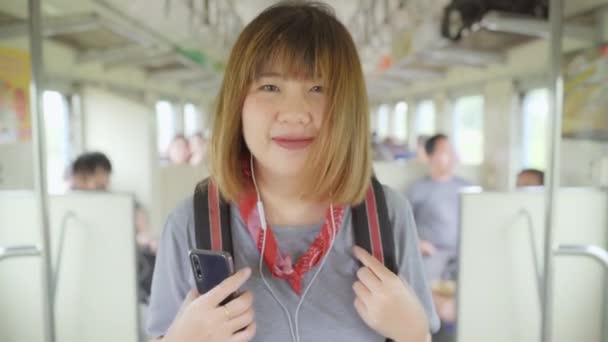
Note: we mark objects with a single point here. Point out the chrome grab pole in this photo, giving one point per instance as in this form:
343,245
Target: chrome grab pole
39,150
556,86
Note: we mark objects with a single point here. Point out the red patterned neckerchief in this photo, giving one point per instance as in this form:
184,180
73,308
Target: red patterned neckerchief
281,266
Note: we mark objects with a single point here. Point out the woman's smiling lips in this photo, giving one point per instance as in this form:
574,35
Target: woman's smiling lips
293,142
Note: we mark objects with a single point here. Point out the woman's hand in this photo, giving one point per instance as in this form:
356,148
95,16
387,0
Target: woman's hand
201,318
386,303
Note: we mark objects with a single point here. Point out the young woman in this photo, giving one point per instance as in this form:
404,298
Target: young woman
292,132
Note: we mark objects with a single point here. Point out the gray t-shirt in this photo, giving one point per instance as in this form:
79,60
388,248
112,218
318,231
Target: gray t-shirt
328,313
437,210
437,213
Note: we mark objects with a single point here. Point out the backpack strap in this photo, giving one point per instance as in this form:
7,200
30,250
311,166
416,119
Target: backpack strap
372,228
211,218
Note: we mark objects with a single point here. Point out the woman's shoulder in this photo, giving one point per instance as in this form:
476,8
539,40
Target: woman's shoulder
181,219
183,209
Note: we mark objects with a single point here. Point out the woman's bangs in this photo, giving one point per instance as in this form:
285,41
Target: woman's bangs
294,55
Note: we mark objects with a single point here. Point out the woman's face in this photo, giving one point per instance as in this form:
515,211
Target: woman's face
281,118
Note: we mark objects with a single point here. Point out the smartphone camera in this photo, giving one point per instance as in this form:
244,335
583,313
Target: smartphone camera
197,267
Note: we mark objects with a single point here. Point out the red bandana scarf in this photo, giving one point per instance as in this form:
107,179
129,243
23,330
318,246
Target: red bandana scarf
280,265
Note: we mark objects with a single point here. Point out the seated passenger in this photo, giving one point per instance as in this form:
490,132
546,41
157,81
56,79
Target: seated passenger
530,177
198,149
91,171
435,204
178,152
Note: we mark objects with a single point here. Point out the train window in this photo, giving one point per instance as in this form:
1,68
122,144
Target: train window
57,127
400,121
468,129
192,120
535,111
165,125
425,118
383,121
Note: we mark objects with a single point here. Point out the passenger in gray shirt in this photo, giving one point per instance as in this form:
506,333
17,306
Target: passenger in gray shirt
291,134
435,203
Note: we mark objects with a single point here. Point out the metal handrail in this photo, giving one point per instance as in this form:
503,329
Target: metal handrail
590,251
69,215
594,252
8,252
530,227
31,250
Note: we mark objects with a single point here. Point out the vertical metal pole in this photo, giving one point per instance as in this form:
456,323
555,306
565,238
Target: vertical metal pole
556,106
601,19
38,134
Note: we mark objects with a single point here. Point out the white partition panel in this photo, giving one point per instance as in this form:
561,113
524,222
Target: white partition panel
97,287
96,293
498,293
20,278
177,183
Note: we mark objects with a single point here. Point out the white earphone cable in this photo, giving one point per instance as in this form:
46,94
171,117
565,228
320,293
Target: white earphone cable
262,215
295,333
334,231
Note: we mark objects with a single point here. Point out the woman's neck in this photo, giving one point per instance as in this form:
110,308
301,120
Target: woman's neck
283,203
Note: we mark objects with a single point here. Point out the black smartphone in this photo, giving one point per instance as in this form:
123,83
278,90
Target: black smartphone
210,268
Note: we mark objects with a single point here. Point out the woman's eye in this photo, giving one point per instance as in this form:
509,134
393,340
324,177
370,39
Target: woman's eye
317,89
269,87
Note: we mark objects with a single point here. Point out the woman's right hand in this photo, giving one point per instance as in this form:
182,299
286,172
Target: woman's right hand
201,318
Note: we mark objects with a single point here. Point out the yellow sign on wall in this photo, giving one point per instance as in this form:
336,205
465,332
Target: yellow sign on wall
586,94
15,118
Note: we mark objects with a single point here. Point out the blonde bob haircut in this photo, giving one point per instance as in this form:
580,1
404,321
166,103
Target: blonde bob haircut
306,40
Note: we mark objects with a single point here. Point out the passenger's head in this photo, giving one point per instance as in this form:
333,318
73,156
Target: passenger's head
294,97
530,177
91,171
440,154
179,150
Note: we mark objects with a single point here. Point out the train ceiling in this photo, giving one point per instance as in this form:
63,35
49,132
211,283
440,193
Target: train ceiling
400,41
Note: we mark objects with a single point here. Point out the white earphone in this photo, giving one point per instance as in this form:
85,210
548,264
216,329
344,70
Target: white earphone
295,335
